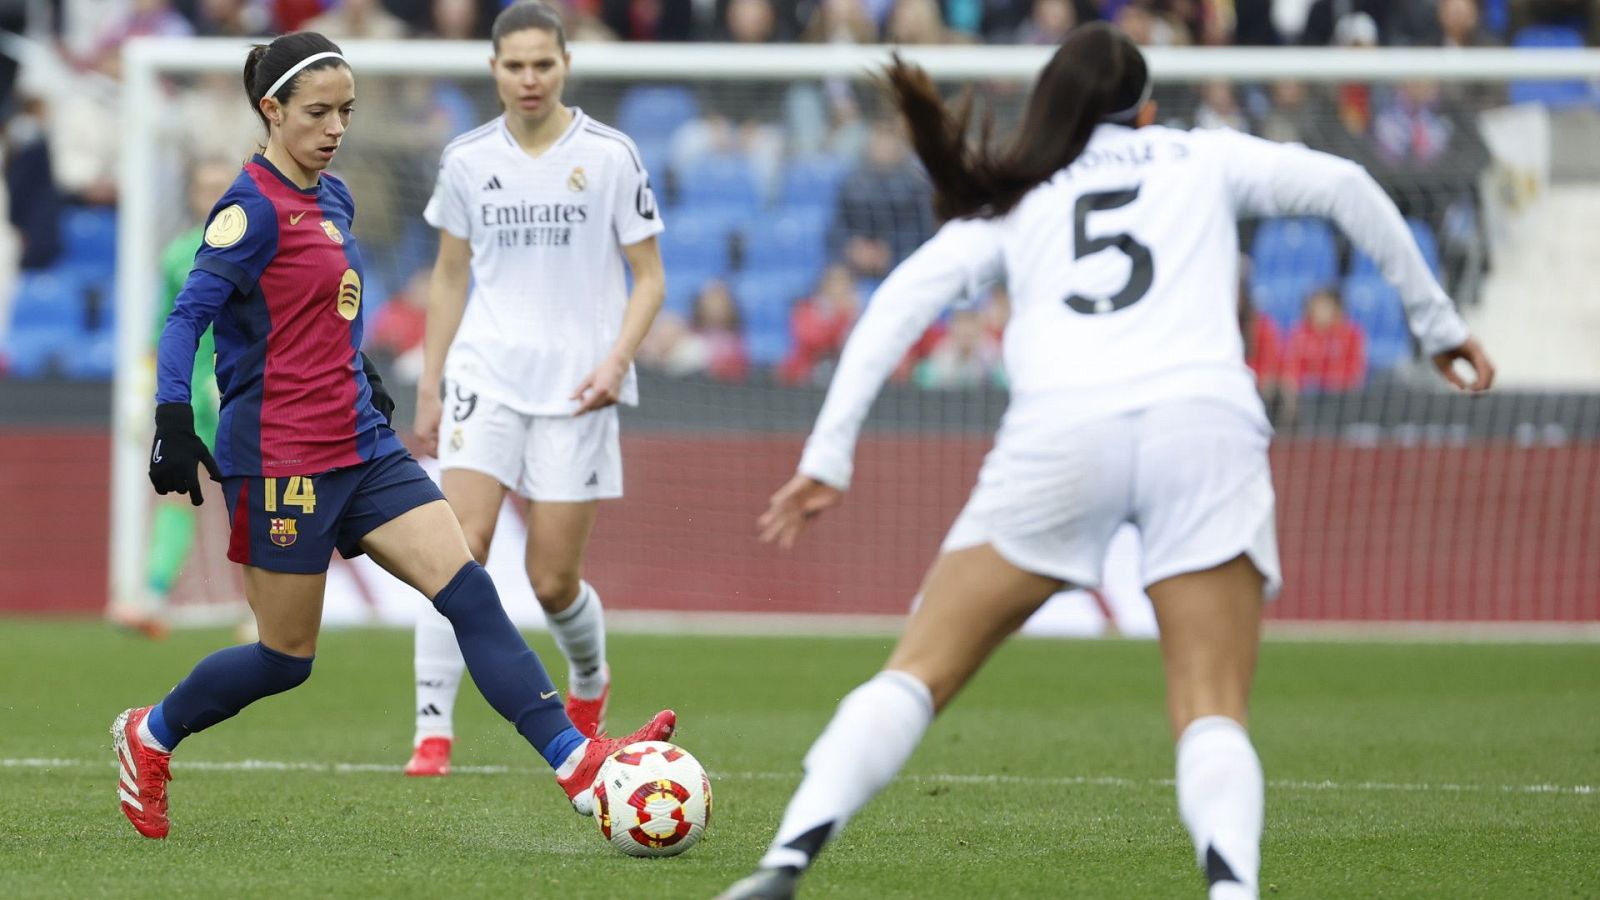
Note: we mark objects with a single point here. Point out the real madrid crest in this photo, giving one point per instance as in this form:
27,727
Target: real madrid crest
227,227
332,231
577,181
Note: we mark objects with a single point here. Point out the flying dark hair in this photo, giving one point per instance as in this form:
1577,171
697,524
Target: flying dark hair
526,14
266,63
1098,75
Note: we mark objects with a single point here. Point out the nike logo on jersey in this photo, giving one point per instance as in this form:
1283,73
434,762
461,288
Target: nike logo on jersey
546,695
155,455
494,183
294,218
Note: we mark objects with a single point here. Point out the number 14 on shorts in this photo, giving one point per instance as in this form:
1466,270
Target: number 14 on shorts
298,491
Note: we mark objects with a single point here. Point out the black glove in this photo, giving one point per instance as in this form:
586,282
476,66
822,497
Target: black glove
177,452
380,397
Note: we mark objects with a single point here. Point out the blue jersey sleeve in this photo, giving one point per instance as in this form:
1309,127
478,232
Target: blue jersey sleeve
202,296
241,237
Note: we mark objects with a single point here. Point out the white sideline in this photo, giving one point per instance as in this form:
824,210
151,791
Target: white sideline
269,765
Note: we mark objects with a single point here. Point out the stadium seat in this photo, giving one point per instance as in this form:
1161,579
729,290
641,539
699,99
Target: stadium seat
723,180
765,297
788,239
48,299
89,235
1281,298
697,238
34,352
652,112
91,356
683,286
1374,306
1555,94
812,182
1364,264
1295,247
767,347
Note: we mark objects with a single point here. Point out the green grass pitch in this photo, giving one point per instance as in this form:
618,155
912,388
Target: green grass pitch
1394,770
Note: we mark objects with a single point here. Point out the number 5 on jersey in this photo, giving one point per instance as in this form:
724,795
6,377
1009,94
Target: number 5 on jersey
298,492
1140,275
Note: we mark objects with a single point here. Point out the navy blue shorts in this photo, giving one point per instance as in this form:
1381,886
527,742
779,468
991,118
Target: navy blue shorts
294,523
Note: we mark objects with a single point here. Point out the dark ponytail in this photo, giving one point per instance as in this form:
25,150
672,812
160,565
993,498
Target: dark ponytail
266,63
1097,75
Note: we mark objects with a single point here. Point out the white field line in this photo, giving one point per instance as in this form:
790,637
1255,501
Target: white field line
268,765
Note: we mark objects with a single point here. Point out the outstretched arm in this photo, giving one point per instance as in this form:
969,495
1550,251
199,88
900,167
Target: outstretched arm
1274,179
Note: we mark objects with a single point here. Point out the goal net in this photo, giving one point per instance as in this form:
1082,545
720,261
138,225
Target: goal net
787,191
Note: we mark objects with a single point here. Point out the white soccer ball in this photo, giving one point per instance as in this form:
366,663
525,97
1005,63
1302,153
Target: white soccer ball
652,798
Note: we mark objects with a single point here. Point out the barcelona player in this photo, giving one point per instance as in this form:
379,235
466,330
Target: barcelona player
304,451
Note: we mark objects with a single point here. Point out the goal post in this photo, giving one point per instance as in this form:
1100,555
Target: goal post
1508,447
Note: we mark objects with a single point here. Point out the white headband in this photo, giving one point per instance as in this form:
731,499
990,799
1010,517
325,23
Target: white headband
295,70
1128,115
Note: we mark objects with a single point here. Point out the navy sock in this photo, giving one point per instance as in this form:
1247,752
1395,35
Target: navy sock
222,684
505,669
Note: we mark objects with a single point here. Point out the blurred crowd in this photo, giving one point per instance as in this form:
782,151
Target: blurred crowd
785,202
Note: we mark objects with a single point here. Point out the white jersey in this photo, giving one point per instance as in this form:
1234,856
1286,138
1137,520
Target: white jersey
548,274
1123,276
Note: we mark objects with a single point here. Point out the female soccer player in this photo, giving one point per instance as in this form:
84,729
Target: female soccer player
1131,402
306,458
537,211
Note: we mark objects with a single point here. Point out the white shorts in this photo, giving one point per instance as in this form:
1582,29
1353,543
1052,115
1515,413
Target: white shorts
1192,477
558,459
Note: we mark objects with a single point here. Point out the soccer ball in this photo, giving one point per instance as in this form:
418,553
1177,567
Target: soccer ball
652,798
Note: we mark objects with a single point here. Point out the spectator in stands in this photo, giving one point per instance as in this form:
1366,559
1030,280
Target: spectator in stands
211,123
919,22
649,20
395,336
885,210
966,356
820,324
456,20
753,22
1460,25
1149,27
1326,17
144,18
710,343
1263,352
35,203
232,18
358,19
840,22
1048,23
1327,353
1219,107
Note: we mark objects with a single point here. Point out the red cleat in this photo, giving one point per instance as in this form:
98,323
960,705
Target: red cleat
143,772
580,784
589,716
431,758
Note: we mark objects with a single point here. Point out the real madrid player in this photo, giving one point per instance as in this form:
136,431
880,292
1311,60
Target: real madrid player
1130,402
537,211
306,458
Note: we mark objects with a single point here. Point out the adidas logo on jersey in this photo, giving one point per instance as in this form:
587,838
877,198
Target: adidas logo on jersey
494,183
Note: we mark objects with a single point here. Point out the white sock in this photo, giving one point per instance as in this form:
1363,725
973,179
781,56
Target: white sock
439,666
1221,797
580,633
858,754
148,737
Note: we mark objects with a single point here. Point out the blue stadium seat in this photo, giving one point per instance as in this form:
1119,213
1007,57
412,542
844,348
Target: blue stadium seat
1281,298
812,182
1295,247
683,286
767,347
1374,306
1555,94
89,235
92,356
653,112
697,238
35,351
48,299
1426,242
765,297
788,239
723,180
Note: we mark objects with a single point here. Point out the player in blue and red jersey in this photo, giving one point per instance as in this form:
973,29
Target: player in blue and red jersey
305,454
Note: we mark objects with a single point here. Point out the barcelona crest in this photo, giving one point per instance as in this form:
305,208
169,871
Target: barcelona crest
282,531
332,231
